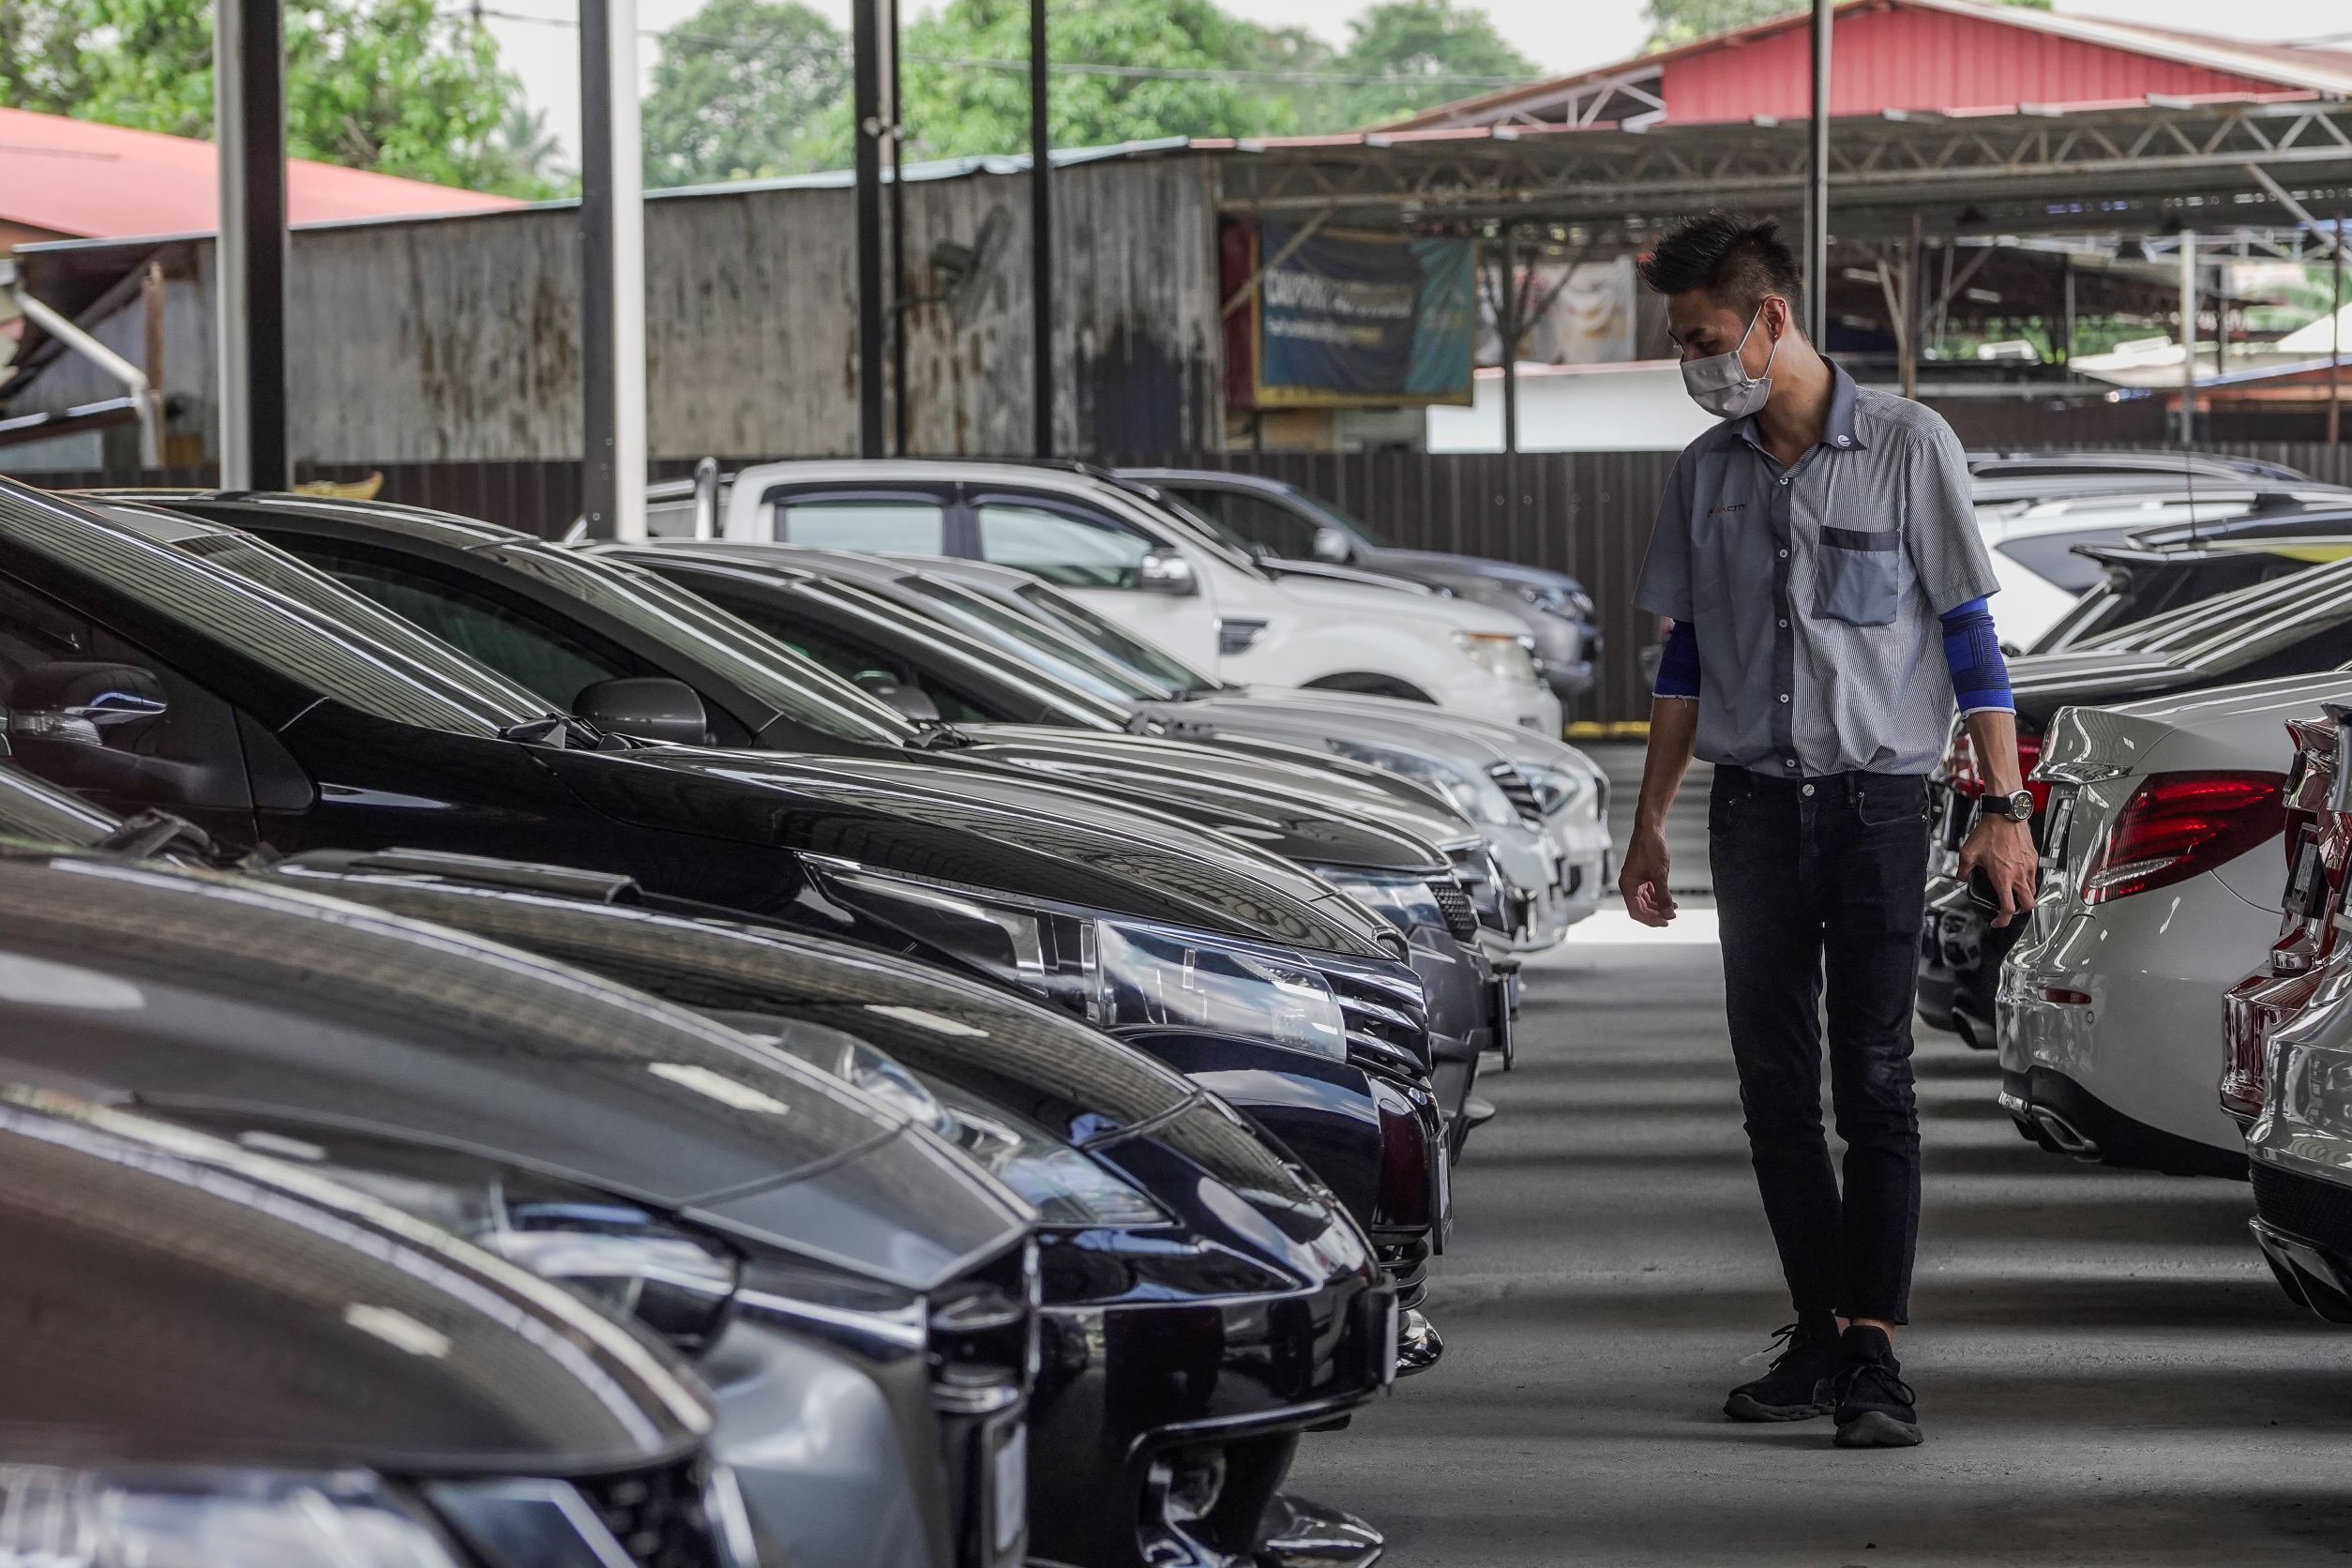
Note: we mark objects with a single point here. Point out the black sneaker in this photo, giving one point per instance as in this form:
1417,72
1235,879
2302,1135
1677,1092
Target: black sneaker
1798,1386
1874,1403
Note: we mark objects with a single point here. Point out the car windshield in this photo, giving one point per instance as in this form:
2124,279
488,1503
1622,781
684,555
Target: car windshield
42,813
267,607
2227,633
1164,673
1339,517
951,640
789,682
1034,643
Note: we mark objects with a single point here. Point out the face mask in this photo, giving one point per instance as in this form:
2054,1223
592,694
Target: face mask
1721,385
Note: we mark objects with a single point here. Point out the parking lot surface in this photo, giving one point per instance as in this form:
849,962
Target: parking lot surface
2106,1373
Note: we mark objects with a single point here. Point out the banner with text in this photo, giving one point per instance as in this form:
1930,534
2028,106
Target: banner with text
1349,319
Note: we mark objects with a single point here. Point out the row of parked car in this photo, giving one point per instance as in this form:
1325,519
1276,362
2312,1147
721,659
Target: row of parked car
2176,1000
723,1052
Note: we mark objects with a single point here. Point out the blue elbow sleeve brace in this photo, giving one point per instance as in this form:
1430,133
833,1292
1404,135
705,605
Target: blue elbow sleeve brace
1678,666
1979,676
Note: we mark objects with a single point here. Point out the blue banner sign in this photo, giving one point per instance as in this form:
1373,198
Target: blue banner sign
1353,318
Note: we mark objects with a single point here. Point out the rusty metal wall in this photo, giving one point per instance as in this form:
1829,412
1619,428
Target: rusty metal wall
457,339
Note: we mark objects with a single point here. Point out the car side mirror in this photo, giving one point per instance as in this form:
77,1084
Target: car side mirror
912,701
1165,571
1331,544
645,708
85,703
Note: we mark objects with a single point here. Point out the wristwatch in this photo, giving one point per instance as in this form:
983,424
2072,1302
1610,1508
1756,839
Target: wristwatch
2017,807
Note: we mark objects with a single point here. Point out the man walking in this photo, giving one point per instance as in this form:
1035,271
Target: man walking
1820,559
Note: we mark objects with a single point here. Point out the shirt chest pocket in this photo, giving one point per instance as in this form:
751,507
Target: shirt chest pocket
1858,575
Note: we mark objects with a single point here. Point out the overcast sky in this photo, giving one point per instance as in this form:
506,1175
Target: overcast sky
1558,35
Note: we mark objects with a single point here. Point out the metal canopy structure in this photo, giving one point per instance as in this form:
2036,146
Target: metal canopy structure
2143,167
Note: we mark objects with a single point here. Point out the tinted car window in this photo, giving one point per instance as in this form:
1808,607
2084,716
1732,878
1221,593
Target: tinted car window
2050,557
1075,549
910,527
557,668
793,685
42,813
1255,520
267,607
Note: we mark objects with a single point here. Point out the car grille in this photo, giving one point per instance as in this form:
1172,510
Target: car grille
658,1516
1518,791
1453,902
2313,1209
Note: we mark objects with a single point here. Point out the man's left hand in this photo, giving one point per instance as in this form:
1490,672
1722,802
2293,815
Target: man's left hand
2004,848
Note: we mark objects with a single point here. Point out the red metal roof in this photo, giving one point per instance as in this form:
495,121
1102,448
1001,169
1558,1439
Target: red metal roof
75,179
1951,56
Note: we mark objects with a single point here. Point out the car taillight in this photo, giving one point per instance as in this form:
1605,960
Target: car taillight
2176,824
1967,779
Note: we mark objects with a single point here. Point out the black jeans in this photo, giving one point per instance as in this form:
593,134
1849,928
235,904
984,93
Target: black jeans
1815,876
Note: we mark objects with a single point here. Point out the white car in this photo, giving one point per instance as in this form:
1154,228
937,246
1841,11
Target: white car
2163,865
1147,567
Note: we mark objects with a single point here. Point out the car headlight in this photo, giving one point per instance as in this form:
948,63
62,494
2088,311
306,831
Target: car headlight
1405,903
1505,655
189,1518
626,1258
1474,794
1067,1186
1112,974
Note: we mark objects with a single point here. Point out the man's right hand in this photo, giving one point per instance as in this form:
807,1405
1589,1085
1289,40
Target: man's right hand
1643,880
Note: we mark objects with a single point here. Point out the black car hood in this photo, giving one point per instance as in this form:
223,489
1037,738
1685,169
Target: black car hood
1178,778
982,825
1041,1064
260,1000
175,1300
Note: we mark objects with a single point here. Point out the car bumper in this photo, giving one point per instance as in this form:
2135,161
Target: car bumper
2057,1114
2303,1224
1137,1406
2124,1000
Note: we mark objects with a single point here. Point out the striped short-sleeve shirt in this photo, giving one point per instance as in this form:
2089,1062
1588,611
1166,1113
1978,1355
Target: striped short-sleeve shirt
1814,591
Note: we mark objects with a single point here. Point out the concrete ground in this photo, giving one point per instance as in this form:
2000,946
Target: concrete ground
2106,1372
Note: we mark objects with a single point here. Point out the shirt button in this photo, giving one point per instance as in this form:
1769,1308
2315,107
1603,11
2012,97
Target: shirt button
1783,696
1784,623
1784,479
1806,790
1846,441
1789,762
1784,556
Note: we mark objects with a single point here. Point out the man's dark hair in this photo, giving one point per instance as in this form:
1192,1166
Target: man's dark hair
1736,260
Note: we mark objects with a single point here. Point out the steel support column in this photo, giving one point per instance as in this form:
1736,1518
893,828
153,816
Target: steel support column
898,290
1040,234
866,102
249,114
1817,183
2188,338
612,274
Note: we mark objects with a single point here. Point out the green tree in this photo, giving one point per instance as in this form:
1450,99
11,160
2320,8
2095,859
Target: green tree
739,91
1679,22
967,91
1423,53
390,85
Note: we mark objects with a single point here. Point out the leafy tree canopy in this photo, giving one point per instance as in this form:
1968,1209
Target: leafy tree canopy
739,89
390,85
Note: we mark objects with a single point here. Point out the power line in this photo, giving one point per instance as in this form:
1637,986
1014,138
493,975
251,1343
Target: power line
1074,68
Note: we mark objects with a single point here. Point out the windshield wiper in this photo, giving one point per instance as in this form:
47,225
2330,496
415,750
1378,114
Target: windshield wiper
149,833
937,734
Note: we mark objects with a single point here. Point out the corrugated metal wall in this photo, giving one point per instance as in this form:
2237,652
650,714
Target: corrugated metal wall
1918,59
458,339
